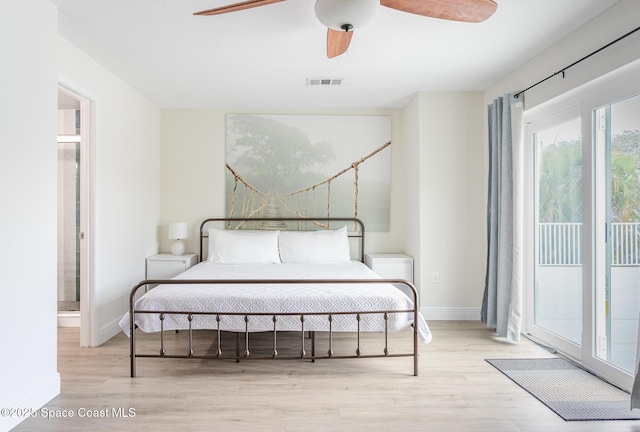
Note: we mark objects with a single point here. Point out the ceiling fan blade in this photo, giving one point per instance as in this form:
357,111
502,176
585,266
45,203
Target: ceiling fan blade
236,7
455,10
337,42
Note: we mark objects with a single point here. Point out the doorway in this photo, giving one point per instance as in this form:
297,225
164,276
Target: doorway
556,145
583,229
617,233
75,212
69,148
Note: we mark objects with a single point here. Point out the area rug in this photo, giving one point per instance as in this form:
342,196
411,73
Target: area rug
570,391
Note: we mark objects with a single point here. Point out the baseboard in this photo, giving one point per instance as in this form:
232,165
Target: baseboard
68,319
450,314
108,331
34,399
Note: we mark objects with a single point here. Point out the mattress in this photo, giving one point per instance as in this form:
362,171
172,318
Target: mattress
275,298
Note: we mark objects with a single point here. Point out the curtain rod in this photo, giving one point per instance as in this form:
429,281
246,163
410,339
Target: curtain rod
561,71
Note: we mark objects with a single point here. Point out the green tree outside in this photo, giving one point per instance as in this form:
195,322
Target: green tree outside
560,180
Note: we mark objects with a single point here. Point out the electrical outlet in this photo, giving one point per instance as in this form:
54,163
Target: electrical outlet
436,277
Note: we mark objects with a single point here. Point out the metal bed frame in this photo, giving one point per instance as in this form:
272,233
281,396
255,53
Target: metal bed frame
246,353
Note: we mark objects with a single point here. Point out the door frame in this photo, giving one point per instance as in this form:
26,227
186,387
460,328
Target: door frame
87,210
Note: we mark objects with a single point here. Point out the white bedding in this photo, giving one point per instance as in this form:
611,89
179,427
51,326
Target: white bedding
277,298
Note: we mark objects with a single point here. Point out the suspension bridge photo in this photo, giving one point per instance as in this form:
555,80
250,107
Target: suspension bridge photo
309,166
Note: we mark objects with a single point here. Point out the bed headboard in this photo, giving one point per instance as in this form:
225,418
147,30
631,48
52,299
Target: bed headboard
355,228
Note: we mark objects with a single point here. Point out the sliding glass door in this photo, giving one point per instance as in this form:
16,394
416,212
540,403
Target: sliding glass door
556,148
617,232
583,229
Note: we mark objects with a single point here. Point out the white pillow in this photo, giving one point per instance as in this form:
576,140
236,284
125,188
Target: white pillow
314,246
240,247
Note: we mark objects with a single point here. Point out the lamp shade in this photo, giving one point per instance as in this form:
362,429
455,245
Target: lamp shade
178,231
336,14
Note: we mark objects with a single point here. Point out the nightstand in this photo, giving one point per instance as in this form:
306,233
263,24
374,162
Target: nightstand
166,266
392,266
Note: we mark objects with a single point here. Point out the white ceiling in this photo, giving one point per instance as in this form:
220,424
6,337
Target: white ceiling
262,57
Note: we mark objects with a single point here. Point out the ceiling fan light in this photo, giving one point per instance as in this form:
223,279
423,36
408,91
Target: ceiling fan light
336,14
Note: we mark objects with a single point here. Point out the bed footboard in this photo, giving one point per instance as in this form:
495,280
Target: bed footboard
243,349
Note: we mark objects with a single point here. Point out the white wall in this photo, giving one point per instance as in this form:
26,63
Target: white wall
451,206
127,183
193,169
437,190
614,22
28,372
413,237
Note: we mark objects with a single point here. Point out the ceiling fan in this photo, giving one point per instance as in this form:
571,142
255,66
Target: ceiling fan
342,17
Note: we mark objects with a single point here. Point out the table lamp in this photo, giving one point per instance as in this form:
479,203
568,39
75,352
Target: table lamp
178,231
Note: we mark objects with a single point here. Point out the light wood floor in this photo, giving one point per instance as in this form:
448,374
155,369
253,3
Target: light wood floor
455,391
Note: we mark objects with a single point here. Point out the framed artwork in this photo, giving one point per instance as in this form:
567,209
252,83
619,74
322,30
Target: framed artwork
309,166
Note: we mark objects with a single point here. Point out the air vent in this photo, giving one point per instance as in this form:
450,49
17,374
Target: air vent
324,81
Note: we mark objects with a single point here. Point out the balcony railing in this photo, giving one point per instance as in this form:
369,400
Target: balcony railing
561,244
